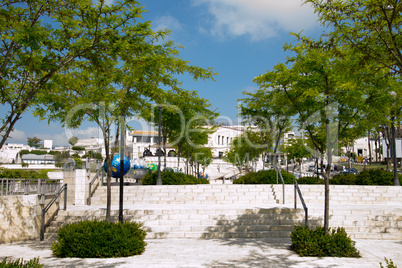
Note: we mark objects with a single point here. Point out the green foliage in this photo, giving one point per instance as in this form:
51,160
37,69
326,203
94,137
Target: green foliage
310,180
172,178
34,142
264,177
343,179
20,263
315,242
296,149
78,148
376,177
78,163
99,239
22,152
35,152
390,264
23,174
93,155
246,148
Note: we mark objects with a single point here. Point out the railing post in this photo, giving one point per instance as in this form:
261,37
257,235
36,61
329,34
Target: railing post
89,196
42,226
295,195
26,188
57,190
65,197
42,193
306,217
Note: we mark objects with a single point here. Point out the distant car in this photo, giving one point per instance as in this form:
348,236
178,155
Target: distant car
311,168
352,171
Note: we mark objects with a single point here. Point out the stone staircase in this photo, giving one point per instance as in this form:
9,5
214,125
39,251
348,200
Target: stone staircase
366,212
246,211
201,211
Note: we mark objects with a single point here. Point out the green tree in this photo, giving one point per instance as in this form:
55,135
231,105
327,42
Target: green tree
296,150
245,150
328,104
43,38
261,108
372,29
119,81
34,142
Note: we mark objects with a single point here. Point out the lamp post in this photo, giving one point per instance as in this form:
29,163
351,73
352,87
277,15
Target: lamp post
122,144
159,180
393,144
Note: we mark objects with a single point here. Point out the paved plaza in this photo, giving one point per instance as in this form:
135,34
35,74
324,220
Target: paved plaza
214,253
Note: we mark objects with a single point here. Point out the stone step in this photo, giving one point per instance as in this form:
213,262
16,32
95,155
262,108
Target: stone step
200,223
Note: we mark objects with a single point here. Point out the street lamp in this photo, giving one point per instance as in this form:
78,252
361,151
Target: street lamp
159,180
393,143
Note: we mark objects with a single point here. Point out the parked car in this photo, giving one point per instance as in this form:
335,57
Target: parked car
352,171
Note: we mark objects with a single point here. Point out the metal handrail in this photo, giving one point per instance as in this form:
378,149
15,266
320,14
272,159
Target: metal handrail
298,191
28,186
99,172
283,183
47,207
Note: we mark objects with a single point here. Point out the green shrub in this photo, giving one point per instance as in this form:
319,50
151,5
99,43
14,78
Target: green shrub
172,178
314,242
390,264
78,162
99,239
20,263
310,180
264,177
376,177
23,174
78,148
344,179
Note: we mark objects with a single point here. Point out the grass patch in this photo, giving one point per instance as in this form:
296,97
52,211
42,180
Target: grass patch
20,263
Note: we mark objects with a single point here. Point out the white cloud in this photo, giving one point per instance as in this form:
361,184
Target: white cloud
17,136
167,22
259,19
87,133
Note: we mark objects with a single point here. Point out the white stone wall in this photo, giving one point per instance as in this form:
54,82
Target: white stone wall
20,217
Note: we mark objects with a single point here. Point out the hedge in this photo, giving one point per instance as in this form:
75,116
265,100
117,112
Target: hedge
265,177
172,178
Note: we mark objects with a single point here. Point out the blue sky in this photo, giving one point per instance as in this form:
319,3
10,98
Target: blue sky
239,39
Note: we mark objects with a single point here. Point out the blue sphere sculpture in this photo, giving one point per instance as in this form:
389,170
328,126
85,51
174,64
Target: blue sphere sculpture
116,166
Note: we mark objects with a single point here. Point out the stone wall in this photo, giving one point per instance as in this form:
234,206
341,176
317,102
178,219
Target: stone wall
20,217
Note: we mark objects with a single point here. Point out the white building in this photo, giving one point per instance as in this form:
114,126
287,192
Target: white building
8,153
48,144
220,140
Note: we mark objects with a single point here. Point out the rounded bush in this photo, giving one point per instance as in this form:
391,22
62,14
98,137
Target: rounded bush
265,177
172,178
343,179
376,177
315,242
99,239
310,180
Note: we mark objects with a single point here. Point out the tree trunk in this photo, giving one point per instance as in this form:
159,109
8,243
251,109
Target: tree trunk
369,147
164,149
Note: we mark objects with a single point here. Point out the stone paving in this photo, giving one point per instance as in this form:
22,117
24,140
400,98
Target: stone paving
213,253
